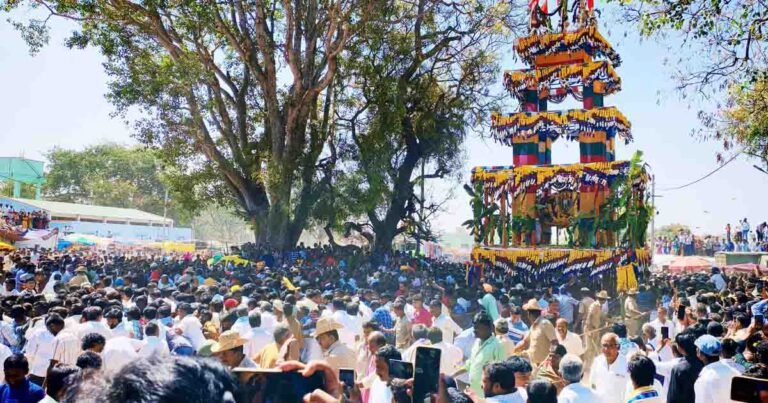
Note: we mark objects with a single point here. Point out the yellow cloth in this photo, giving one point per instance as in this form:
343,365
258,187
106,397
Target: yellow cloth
625,278
267,357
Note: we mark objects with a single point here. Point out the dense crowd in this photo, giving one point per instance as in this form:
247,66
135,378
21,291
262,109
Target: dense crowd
97,326
740,238
21,219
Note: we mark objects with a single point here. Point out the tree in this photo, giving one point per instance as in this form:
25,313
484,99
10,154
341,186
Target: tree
726,36
724,55
110,175
232,93
742,125
220,225
417,79
671,230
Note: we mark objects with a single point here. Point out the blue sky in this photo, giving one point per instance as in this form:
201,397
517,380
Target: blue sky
56,98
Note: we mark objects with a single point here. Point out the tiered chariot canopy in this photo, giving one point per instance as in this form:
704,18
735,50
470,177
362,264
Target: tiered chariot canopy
521,203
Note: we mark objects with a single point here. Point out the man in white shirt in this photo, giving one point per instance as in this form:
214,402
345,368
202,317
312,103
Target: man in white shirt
451,356
571,369
41,346
714,382
570,340
380,390
189,326
119,352
152,344
349,332
258,337
115,322
93,324
717,279
662,321
608,376
443,321
419,333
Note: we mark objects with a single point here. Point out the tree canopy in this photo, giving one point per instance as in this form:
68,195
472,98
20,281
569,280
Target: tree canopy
303,112
724,58
110,175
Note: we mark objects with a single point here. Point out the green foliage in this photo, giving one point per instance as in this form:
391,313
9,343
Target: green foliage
416,80
723,40
228,93
111,175
671,230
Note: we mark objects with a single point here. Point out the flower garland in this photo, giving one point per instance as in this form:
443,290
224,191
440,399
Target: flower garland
546,266
570,123
587,39
550,179
564,77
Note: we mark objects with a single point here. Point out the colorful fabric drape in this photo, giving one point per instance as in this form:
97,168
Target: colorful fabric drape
547,266
626,278
549,179
563,77
573,124
587,39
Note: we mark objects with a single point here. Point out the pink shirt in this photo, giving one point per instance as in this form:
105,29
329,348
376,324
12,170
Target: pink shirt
422,317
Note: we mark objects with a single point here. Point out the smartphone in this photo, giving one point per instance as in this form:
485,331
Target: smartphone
400,369
275,386
426,373
347,375
759,321
664,332
750,390
681,312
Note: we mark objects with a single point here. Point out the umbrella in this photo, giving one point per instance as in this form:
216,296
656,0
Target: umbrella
6,246
690,264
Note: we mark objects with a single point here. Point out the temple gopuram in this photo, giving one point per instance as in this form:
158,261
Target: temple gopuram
544,224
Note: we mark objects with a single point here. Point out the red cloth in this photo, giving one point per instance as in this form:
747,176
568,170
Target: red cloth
230,303
422,317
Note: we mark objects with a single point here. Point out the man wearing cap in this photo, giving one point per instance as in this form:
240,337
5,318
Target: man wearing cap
80,277
714,382
335,353
592,323
541,336
229,350
28,285
632,314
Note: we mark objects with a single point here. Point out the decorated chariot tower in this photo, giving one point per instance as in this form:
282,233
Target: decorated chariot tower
543,224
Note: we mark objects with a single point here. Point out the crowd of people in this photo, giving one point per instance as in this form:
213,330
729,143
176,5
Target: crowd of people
740,238
23,220
98,326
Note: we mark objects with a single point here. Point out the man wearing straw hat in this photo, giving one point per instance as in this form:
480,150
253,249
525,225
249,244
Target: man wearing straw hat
80,277
592,323
632,314
541,336
335,353
229,350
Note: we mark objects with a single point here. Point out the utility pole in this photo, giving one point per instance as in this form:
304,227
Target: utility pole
165,215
